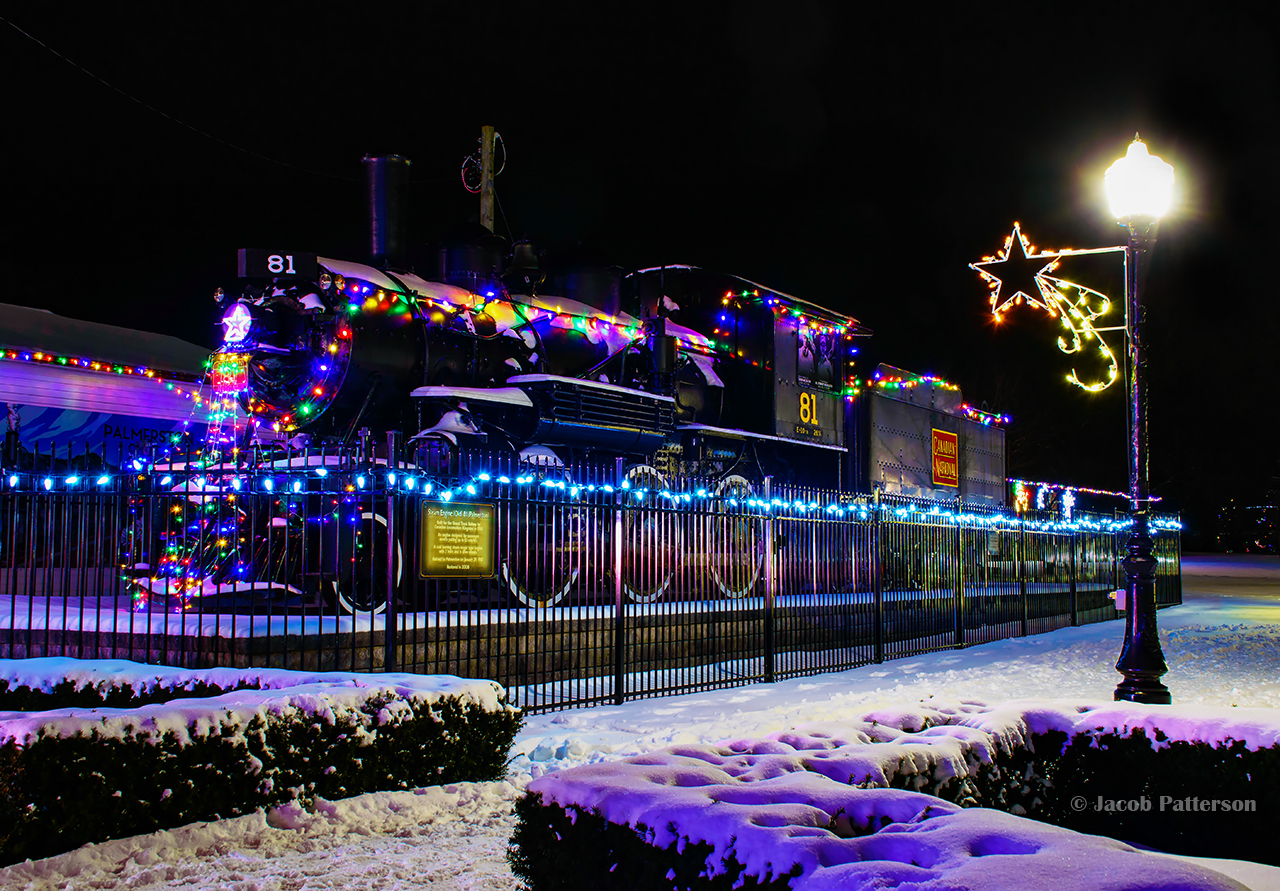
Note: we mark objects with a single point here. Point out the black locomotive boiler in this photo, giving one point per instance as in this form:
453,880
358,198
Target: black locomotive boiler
677,367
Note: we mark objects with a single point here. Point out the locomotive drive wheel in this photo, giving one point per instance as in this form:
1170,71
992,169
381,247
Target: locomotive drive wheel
548,546
735,542
652,542
365,589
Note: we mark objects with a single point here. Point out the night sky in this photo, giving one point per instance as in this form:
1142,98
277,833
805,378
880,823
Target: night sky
857,158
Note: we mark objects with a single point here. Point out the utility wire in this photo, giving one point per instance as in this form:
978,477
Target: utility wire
504,214
169,117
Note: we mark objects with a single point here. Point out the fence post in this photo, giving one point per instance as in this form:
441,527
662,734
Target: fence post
1075,604
619,605
389,661
1177,556
958,598
770,582
877,570
1022,574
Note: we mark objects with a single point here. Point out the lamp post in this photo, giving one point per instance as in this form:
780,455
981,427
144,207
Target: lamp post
1139,189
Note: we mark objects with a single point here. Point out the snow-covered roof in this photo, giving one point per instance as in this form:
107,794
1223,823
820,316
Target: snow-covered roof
27,328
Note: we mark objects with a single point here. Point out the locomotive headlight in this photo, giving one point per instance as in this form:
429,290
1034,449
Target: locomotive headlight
326,281
339,282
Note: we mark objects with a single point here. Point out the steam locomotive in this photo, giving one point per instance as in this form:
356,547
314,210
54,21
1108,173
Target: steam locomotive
673,371
691,371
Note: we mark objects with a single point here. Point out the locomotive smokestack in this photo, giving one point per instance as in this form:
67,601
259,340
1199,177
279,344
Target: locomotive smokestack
386,178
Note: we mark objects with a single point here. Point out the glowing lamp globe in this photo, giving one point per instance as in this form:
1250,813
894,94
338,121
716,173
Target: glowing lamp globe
1139,184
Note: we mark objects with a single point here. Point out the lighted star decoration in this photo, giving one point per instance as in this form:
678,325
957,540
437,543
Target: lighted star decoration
1018,276
236,324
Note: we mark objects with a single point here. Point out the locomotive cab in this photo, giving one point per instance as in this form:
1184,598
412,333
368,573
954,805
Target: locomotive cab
784,360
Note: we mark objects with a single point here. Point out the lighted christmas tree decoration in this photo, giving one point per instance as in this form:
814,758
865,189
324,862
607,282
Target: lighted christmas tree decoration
1021,497
1022,275
1068,501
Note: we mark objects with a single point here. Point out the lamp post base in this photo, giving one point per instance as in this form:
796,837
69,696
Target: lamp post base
1142,686
1141,661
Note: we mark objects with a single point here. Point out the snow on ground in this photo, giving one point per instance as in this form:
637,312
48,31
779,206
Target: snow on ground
449,837
1222,646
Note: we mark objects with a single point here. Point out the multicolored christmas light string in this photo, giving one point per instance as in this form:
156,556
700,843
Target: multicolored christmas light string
171,379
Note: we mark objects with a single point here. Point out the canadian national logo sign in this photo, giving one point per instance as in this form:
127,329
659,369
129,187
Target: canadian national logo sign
946,459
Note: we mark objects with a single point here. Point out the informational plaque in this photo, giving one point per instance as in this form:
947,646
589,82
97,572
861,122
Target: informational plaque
457,541
946,458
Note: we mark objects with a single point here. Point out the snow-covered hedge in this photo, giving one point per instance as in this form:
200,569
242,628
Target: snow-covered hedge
35,685
708,813
73,775
1185,767
689,823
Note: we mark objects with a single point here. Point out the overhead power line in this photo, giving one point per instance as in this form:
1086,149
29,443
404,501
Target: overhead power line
178,121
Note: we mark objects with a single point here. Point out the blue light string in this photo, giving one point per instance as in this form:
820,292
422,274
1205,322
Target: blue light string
422,486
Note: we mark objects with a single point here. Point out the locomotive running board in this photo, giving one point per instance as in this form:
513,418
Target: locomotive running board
730,433
504,395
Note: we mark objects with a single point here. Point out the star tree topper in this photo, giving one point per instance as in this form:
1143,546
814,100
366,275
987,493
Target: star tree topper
1023,275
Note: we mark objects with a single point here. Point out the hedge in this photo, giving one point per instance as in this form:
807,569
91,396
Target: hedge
568,849
698,831
70,694
85,776
1035,759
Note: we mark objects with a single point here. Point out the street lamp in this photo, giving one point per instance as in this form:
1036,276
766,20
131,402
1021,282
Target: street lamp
1139,189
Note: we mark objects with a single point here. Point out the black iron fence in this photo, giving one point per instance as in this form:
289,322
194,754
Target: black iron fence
567,584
